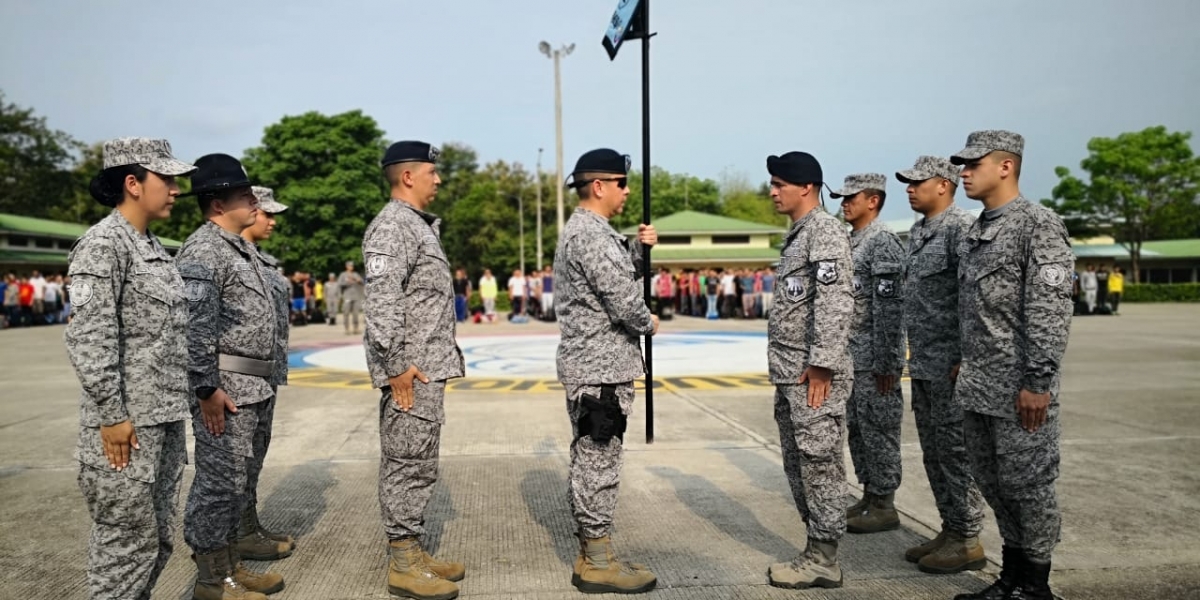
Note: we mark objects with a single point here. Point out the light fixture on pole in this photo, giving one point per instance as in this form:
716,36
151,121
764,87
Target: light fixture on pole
538,179
557,54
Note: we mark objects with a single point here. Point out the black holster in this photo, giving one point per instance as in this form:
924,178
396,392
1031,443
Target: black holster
601,417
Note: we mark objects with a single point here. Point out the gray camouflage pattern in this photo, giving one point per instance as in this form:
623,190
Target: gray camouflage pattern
232,311
982,143
858,182
281,292
132,511
811,444
928,167
944,454
931,294
408,458
409,307
873,434
1016,470
154,155
266,200
259,445
223,464
876,340
595,471
1014,308
127,338
598,300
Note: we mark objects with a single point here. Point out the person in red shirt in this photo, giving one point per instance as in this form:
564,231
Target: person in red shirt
25,300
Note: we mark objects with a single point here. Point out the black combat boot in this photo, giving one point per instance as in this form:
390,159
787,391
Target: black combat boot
1035,585
1008,585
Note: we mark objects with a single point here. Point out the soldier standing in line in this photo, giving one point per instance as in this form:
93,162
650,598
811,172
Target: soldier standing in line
876,405
602,314
254,541
809,360
232,345
126,342
1015,310
931,322
411,352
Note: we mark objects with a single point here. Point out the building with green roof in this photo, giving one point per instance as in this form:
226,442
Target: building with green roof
29,243
694,240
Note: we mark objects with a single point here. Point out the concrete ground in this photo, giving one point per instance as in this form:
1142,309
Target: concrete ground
706,505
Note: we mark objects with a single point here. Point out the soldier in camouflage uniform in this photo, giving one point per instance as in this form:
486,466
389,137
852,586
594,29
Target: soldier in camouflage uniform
876,405
232,349
931,322
602,314
411,352
808,356
254,541
127,342
1015,310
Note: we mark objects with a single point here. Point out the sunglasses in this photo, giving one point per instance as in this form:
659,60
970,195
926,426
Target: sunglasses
621,181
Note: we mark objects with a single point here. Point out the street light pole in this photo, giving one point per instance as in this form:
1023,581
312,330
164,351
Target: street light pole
521,221
540,263
557,55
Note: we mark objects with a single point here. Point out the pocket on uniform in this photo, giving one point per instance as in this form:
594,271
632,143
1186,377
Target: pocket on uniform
406,436
1026,458
931,264
143,462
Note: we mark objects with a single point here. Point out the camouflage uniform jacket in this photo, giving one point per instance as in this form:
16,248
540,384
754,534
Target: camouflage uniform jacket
281,290
409,307
599,303
232,305
127,338
1014,278
931,294
814,301
876,343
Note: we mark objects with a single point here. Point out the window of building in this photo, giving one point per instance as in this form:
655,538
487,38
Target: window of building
731,239
44,243
16,240
675,240
1181,276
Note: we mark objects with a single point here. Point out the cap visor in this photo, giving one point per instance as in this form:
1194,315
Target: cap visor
912,176
844,192
968,154
272,208
170,166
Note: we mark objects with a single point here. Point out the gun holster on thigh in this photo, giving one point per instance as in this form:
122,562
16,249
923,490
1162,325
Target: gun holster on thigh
601,417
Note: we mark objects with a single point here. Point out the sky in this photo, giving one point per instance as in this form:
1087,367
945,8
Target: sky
864,85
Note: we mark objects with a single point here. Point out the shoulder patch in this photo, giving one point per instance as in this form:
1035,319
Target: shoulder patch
195,290
886,288
378,265
1052,275
827,271
81,293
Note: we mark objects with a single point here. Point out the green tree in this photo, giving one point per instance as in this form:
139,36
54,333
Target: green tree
78,206
35,162
741,200
326,169
1141,186
669,193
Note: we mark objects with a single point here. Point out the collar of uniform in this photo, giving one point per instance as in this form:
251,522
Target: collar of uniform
238,242
428,217
271,261
147,245
579,210
798,225
871,227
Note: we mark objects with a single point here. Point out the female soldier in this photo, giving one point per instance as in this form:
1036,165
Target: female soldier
128,345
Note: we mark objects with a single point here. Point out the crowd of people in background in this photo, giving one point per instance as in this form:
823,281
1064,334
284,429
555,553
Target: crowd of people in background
1098,291
34,299
714,293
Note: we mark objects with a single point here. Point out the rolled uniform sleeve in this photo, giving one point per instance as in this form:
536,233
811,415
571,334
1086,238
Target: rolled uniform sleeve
1047,303
92,337
887,305
203,292
611,274
388,265
833,302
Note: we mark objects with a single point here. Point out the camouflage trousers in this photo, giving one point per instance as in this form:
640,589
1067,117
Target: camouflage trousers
873,421
227,466
944,451
1016,470
811,443
133,511
408,457
595,471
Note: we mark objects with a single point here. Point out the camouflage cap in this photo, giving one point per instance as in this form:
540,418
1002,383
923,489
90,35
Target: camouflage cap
928,167
982,143
859,182
154,155
266,200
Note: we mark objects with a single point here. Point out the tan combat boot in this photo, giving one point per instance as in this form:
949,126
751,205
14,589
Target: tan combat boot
817,566
214,579
856,509
450,571
263,583
256,543
879,515
919,551
958,554
599,571
409,576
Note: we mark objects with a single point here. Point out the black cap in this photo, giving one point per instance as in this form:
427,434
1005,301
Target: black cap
602,160
796,167
216,172
410,151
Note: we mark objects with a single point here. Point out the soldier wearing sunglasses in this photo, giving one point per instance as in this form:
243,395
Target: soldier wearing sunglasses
602,314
